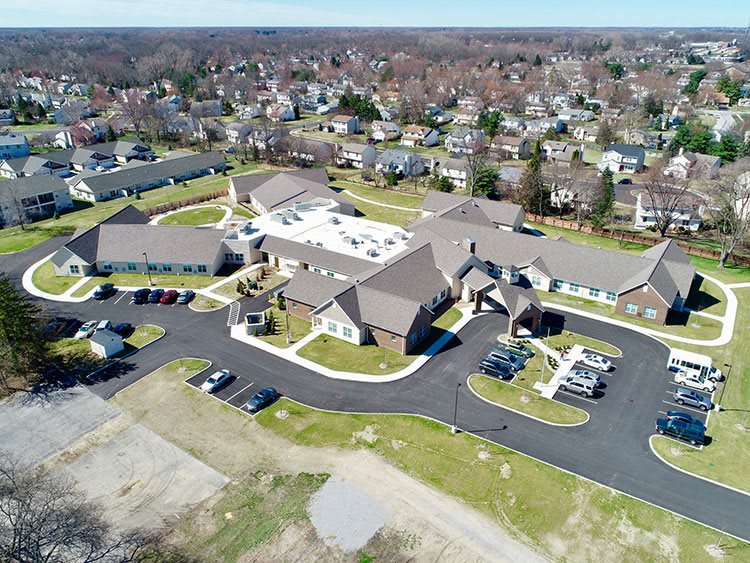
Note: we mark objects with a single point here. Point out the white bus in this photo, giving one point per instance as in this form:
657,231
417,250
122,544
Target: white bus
693,364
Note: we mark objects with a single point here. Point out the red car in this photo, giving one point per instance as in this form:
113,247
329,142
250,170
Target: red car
169,297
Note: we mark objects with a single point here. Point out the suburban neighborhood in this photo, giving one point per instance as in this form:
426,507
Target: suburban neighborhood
430,293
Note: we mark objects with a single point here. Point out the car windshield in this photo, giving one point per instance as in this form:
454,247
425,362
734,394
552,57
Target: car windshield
211,380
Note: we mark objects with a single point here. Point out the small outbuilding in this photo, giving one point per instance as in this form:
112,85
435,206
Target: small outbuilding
106,343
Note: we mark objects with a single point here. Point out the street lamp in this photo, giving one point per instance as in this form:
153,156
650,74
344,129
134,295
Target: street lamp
148,270
454,427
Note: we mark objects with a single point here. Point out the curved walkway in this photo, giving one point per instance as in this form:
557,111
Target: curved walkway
228,212
28,284
388,205
727,321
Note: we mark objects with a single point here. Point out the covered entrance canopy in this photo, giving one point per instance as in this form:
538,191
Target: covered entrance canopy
520,301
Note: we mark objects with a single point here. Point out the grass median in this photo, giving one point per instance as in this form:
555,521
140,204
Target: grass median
525,401
298,329
567,338
44,279
384,214
382,195
194,217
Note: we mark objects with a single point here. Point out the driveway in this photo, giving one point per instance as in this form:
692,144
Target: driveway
611,449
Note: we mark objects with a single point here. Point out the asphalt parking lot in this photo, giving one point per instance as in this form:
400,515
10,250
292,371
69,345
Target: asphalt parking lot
235,393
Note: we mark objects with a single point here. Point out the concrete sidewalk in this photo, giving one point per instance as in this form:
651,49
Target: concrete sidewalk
567,363
290,354
388,205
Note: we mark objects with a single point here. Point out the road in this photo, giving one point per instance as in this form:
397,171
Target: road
611,449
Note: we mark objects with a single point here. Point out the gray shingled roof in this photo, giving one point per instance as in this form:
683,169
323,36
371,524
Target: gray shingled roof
515,297
33,185
166,168
282,189
627,150
316,256
314,289
466,209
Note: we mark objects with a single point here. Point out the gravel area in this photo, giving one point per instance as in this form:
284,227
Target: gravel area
345,516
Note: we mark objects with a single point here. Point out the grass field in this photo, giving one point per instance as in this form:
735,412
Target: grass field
201,216
203,303
567,338
709,298
569,518
384,214
87,214
339,355
143,335
44,278
382,195
299,328
521,400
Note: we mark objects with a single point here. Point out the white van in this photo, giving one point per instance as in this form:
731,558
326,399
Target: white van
691,363
104,325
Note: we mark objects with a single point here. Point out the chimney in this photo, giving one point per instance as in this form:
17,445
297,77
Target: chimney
470,245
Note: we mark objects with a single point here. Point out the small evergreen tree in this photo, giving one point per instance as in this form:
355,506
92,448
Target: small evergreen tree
604,204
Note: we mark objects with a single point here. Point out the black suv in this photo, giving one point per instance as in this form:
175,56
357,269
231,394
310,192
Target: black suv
141,296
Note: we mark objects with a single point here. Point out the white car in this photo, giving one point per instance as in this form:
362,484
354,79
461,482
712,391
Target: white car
586,374
215,381
694,381
86,330
597,362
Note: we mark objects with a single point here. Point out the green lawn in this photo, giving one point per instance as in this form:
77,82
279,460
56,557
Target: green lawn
166,281
382,195
339,355
708,298
567,338
201,216
299,328
87,214
727,457
44,278
144,334
567,517
533,373
384,214
203,303
694,327
520,399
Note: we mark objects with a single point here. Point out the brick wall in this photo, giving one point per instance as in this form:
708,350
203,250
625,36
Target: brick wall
643,299
299,310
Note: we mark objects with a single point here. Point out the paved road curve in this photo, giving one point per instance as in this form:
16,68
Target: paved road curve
611,449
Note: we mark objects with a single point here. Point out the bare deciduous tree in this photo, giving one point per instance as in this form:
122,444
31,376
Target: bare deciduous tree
728,205
44,518
12,208
665,196
476,163
136,109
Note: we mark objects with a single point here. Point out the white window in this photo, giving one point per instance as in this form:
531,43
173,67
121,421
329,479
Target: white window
413,338
187,268
649,312
434,300
645,289
557,284
166,267
330,274
611,296
75,269
346,331
315,270
574,287
107,266
132,267
536,281
202,268
631,308
393,338
332,327
593,292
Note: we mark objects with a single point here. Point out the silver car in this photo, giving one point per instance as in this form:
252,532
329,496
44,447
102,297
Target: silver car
574,384
586,374
216,381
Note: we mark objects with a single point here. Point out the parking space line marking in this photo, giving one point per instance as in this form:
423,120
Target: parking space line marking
237,393
124,293
577,396
684,407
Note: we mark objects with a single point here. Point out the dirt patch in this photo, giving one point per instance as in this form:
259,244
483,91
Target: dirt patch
367,435
675,451
715,551
505,471
484,455
282,414
525,399
397,444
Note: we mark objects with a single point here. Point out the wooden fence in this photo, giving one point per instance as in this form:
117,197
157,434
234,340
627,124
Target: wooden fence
173,205
632,237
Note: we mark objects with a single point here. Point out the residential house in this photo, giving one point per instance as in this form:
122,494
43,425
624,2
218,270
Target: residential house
72,110
212,129
266,193
665,121
687,216
538,127
207,108
304,151
470,101
465,141
33,165
356,155
345,124
694,165
139,176
238,133
279,113
623,158
288,98
571,114
610,115
7,117
249,111
513,123
35,197
508,147
562,152
538,109
264,139
384,130
265,97
419,136
586,133
403,163
467,116
456,170
13,145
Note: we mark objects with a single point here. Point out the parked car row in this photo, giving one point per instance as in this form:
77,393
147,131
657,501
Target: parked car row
167,297
88,329
254,404
581,381
505,359
682,425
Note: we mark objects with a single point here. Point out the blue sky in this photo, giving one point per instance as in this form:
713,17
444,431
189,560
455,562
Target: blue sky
434,13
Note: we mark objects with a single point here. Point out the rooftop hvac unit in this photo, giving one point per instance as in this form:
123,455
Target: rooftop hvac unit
334,220
301,206
372,252
389,241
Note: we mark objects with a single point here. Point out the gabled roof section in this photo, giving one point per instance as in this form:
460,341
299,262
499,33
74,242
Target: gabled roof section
316,256
515,298
314,289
